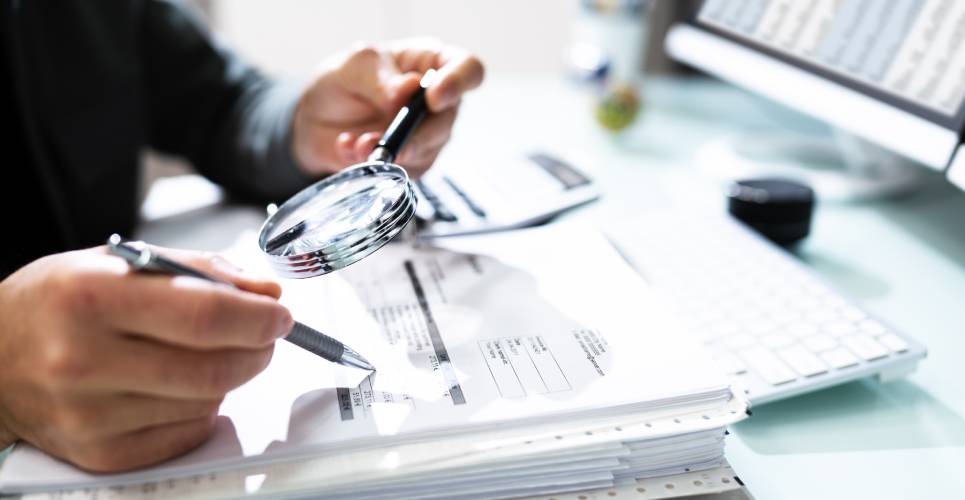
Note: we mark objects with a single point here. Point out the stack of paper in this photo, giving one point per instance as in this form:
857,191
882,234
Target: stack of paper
517,364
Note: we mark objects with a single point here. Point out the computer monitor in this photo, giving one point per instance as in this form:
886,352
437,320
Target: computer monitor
891,72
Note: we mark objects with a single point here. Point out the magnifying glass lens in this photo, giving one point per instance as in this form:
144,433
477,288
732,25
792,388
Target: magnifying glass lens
338,221
342,219
339,214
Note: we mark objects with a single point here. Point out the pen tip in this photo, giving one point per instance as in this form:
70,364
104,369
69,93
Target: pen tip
352,358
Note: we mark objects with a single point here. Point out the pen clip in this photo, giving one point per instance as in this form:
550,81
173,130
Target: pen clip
142,258
137,258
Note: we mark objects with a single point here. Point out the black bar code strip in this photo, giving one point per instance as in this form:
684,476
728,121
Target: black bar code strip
345,403
442,355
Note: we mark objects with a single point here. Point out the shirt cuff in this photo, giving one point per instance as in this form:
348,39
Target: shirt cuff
267,138
289,174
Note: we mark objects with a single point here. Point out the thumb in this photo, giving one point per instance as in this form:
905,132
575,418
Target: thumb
219,267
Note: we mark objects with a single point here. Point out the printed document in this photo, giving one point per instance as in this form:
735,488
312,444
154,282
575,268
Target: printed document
487,332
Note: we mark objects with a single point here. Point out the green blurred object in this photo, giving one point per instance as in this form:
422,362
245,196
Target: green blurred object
617,108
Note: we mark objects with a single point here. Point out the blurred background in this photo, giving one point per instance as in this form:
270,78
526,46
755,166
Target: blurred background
607,46
287,37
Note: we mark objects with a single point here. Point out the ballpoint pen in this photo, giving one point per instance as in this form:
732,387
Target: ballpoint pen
142,258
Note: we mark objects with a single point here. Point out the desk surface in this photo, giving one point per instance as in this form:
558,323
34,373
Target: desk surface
903,259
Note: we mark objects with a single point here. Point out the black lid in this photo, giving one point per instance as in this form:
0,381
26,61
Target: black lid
778,208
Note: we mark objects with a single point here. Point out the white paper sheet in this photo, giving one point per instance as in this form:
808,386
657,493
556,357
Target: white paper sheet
542,324
429,459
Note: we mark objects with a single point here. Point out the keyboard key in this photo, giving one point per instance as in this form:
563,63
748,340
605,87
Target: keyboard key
802,329
893,342
852,313
777,341
834,302
802,361
784,315
761,326
767,366
872,327
820,343
865,347
739,341
839,358
840,328
708,315
731,364
822,316
816,289
745,313
721,329
805,304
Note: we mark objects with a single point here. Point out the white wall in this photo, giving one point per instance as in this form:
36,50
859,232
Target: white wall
287,37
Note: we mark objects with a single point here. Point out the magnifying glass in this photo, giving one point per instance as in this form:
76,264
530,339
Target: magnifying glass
343,218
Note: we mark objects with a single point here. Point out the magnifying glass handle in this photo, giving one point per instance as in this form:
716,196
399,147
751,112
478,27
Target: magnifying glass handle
407,119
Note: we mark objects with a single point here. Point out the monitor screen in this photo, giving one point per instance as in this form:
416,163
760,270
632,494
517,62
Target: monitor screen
907,52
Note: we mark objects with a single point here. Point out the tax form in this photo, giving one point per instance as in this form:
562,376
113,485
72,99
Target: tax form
535,326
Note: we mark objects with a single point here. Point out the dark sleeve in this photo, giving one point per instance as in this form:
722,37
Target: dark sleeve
232,123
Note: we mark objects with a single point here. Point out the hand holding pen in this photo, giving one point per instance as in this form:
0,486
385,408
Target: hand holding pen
142,258
111,370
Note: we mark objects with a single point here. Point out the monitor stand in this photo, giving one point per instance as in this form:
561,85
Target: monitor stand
841,167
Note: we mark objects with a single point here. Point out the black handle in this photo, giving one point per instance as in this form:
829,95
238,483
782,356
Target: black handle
405,122
315,342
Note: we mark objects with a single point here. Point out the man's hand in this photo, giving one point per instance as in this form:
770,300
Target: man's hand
355,95
114,370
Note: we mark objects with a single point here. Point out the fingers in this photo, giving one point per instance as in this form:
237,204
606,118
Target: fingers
458,70
107,399
340,117
400,93
148,368
371,76
93,417
143,447
345,148
355,147
189,312
185,311
219,267
419,152
417,54
427,142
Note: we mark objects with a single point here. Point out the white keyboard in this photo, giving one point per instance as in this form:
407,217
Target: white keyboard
770,322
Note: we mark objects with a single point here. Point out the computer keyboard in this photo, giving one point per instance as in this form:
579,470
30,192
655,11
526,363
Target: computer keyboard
771,323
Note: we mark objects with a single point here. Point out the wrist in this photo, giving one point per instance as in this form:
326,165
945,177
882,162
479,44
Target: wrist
312,145
7,437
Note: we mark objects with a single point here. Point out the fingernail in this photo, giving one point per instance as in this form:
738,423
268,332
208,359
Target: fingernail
285,324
